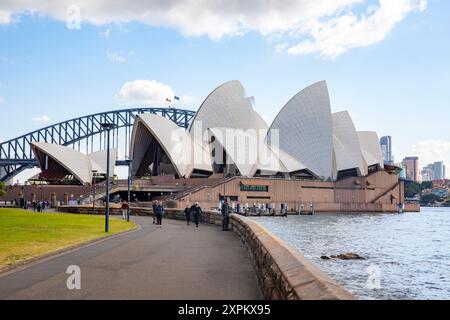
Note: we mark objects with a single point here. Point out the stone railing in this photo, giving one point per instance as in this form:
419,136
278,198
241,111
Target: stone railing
282,272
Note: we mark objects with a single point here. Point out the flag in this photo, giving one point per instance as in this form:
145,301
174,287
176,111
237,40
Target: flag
176,98
168,100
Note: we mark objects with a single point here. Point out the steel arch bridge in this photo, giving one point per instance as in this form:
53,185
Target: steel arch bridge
84,132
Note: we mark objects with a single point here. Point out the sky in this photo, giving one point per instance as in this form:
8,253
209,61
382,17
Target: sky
386,62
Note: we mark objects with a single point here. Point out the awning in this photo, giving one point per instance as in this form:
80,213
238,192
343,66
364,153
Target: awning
254,183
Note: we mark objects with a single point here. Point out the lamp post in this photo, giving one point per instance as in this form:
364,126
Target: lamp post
129,161
107,127
25,194
42,197
94,174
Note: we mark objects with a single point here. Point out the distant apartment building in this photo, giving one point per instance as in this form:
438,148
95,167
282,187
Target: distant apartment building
412,168
443,183
439,170
434,171
427,174
402,172
386,148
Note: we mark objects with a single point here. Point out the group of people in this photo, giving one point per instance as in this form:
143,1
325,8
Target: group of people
40,206
196,211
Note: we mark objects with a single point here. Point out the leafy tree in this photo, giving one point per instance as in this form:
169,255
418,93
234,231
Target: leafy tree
412,189
2,189
426,185
430,198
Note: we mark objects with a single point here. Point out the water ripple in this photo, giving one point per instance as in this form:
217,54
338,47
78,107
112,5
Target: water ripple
411,251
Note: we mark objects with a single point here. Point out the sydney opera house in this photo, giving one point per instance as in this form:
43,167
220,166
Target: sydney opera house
307,155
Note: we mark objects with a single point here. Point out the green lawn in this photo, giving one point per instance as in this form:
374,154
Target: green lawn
27,234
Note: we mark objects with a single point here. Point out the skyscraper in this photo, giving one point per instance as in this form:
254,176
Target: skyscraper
412,168
386,147
438,170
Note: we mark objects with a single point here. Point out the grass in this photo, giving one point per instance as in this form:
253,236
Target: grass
26,234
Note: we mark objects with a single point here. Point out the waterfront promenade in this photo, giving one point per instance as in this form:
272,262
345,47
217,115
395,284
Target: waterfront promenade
172,262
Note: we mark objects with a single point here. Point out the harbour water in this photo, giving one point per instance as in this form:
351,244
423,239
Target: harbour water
407,256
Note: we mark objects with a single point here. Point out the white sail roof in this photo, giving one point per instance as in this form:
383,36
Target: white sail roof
305,129
184,154
98,160
227,106
72,160
371,148
346,144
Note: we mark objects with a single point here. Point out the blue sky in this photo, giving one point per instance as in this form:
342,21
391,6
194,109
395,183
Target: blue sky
396,82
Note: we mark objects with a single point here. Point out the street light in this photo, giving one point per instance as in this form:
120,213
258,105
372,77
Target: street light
94,174
25,195
128,162
107,127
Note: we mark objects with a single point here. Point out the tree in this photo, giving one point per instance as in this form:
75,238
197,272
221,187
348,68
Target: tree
2,189
430,198
426,185
412,189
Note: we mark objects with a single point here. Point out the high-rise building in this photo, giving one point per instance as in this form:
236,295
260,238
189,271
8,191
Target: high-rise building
438,170
386,147
412,168
434,171
427,174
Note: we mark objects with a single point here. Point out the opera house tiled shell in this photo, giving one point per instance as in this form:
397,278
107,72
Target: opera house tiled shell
304,141
227,136
65,161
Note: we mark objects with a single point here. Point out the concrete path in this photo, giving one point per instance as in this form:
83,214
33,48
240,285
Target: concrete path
172,262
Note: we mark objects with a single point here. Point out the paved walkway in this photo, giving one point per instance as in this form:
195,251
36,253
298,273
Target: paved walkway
172,262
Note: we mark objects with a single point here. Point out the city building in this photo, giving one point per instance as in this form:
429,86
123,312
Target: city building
439,170
427,174
434,171
307,156
386,148
412,168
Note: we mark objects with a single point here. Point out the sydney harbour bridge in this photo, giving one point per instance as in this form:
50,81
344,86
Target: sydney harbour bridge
83,133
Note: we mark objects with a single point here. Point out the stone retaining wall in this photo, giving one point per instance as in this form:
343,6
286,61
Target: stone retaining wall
282,272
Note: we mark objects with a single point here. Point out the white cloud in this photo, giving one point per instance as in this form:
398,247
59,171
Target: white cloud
119,57
340,34
325,27
430,151
115,57
5,17
1,100
41,119
145,91
106,33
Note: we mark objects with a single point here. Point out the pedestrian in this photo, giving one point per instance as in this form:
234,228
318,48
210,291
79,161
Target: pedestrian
154,206
196,211
225,215
159,213
187,214
124,210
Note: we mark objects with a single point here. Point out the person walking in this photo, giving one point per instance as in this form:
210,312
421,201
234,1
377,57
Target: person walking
187,214
124,210
154,206
159,213
225,215
196,211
